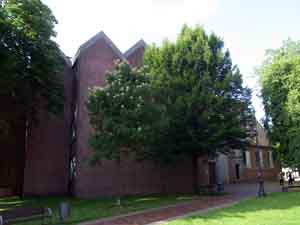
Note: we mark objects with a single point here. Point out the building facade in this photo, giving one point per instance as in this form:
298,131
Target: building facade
243,165
92,61
57,152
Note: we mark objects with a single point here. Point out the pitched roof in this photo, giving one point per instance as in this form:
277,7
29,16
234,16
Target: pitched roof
93,40
140,44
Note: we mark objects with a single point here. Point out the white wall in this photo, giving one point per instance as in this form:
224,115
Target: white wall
222,170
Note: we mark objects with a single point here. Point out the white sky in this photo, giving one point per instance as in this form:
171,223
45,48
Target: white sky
125,22
247,27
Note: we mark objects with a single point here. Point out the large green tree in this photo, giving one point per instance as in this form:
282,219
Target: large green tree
280,82
31,66
187,101
206,104
30,61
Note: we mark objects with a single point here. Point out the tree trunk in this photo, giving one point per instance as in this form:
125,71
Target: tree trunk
23,137
120,181
162,173
196,174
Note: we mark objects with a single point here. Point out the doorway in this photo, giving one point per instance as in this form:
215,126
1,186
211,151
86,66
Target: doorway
237,171
212,173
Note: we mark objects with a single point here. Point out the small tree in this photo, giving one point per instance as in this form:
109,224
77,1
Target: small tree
124,116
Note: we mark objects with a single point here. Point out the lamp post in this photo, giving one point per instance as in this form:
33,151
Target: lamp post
261,187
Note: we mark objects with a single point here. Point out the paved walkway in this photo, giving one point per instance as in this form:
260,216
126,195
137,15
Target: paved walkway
246,190
201,204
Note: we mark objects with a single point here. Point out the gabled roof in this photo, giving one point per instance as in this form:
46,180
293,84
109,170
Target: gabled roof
93,40
140,44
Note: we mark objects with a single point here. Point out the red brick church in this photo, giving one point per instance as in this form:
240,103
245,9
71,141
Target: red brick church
55,159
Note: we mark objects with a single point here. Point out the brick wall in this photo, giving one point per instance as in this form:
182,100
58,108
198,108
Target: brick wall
11,169
268,173
107,179
47,156
136,58
203,171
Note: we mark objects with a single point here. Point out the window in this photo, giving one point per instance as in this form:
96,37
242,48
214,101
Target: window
244,158
270,159
75,112
73,165
248,159
261,157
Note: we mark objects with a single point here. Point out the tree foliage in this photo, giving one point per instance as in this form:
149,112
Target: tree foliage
280,81
123,114
207,106
187,100
30,61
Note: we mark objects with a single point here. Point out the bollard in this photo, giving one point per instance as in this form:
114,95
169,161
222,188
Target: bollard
64,211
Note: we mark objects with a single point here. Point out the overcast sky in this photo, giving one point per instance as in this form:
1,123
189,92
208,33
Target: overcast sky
248,27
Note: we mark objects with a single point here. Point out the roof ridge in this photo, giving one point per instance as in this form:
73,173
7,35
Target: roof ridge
140,43
93,40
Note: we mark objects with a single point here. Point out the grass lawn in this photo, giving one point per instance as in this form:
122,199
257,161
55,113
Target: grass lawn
90,209
275,209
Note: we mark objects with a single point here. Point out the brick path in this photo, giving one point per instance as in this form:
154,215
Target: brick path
237,192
